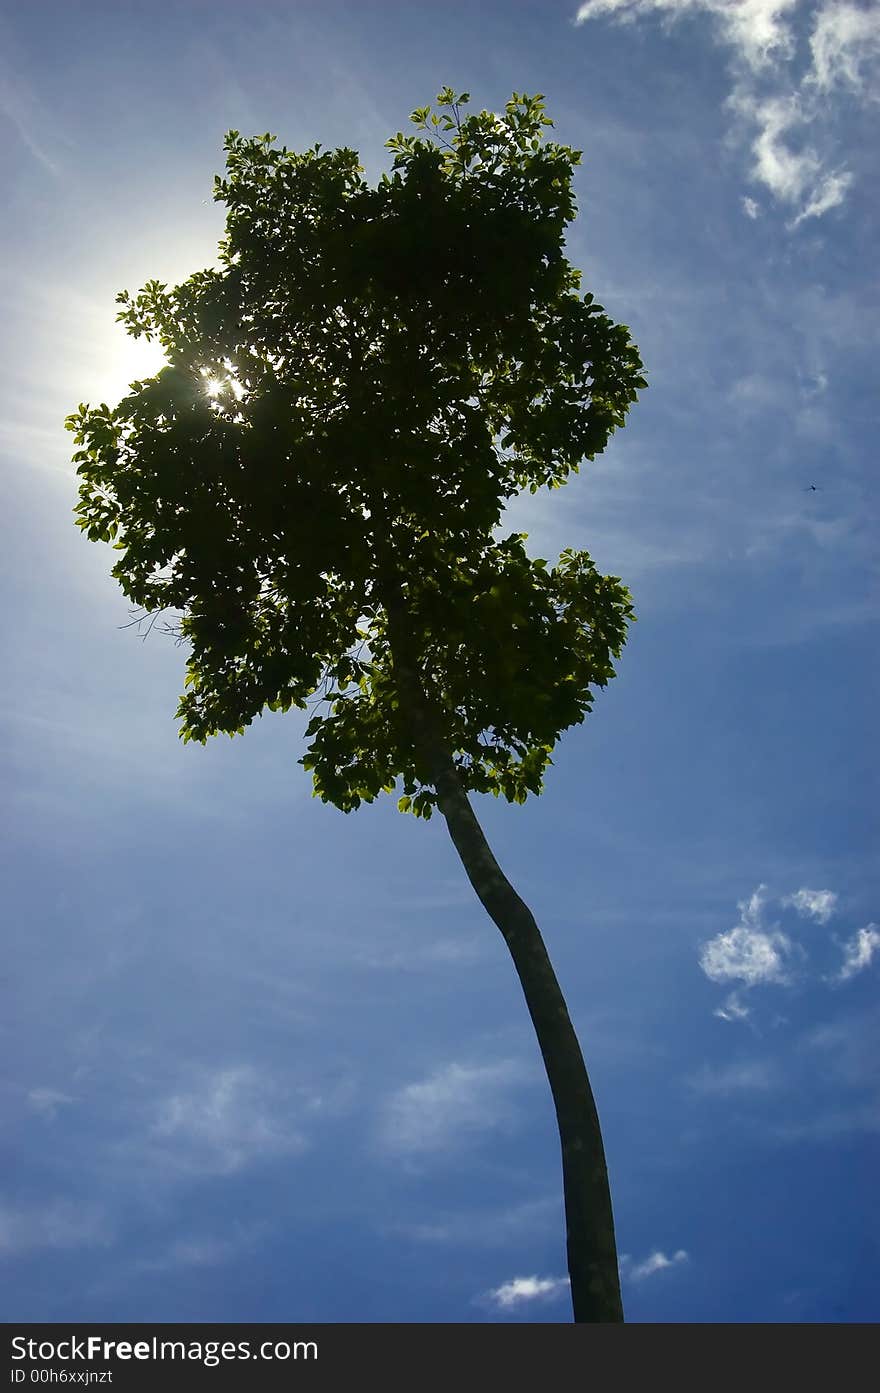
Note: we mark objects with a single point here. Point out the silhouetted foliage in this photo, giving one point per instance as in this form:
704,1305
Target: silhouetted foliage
313,481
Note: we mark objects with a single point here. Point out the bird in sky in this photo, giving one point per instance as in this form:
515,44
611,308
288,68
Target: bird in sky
811,488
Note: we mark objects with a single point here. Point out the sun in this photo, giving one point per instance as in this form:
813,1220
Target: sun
215,386
124,360
111,361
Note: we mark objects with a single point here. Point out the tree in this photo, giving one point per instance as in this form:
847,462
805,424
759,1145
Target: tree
313,481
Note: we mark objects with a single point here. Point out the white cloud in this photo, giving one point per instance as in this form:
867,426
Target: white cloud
231,1120
815,904
47,1101
829,193
752,910
785,172
770,96
751,208
732,1009
655,1262
757,29
859,952
457,1102
792,175
58,1225
845,41
747,953
520,1290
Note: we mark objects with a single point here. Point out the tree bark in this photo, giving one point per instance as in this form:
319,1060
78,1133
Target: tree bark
591,1247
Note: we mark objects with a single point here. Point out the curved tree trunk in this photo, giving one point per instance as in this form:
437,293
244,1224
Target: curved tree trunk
592,1252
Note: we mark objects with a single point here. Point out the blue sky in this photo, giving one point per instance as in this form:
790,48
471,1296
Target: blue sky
268,1062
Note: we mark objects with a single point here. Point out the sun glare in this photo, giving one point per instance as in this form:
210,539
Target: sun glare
215,386
126,360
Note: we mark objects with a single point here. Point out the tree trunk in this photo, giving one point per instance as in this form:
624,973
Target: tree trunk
592,1252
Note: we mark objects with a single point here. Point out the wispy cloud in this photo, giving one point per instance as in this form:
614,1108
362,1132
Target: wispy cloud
649,1266
843,1055
21,106
792,175
732,1009
455,1104
787,528
17,105
60,1224
859,952
831,1123
753,1076
232,1119
779,105
813,904
523,1291
204,1250
416,957
828,194
757,29
754,391
845,45
489,1228
748,953
526,1291
46,1102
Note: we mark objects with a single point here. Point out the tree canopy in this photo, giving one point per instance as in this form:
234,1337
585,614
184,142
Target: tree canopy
352,394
